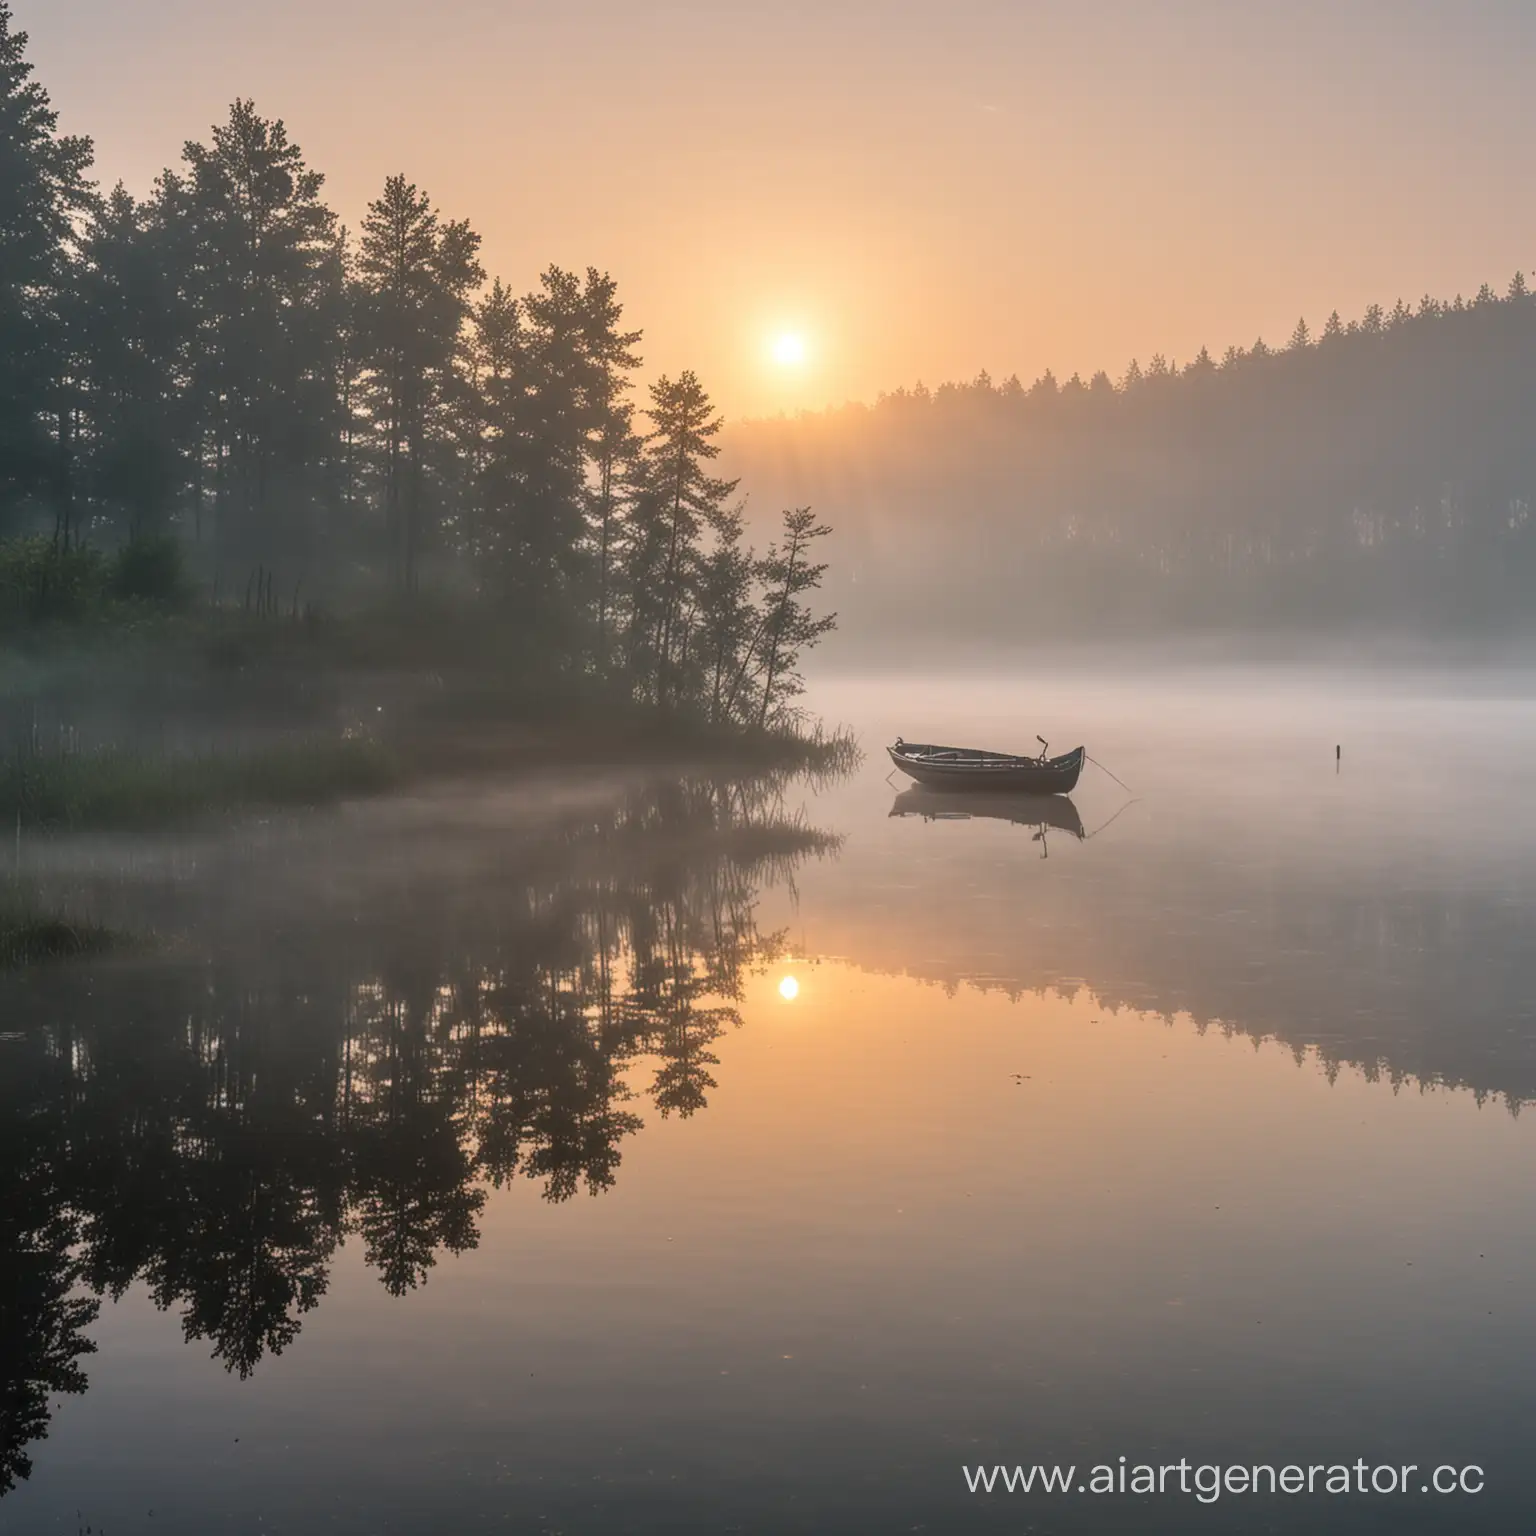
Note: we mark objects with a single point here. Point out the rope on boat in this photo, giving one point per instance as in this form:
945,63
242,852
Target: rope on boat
1102,769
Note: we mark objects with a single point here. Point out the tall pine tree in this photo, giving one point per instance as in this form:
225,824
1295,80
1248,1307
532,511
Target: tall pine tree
680,502
255,246
43,188
418,275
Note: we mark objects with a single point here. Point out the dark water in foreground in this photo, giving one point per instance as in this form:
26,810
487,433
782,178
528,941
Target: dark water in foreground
602,1156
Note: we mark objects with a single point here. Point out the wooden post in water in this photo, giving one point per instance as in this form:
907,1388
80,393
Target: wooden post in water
1338,757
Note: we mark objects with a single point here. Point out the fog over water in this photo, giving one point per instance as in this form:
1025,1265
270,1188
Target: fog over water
491,1038
473,1136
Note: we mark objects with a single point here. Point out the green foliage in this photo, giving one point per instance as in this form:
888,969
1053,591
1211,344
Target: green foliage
152,569
45,581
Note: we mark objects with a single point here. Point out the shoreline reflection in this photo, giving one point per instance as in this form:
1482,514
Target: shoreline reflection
217,1123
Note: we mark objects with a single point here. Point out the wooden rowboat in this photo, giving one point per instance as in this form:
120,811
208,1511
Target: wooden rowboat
976,768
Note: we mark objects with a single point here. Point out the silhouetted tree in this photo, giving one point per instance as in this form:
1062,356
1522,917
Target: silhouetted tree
220,356
257,270
42,191
134,334
613,446
416,276
679,502
788,626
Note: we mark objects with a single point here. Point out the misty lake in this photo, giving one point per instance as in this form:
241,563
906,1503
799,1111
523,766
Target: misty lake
614,1153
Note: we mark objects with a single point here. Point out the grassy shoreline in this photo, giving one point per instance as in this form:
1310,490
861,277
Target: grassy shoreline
115,789
121,790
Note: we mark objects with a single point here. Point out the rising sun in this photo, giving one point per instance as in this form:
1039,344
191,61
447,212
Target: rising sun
789,349
789,989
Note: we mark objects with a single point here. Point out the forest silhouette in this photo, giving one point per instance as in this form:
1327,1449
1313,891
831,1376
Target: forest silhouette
314,411
1378,472
215,1127
242,400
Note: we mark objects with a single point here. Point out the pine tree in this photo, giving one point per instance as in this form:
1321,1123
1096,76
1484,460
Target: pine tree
537,429
254,247
788,628
417,275
684,499
493,359
43,188
728,618
133,340
613,447
351,465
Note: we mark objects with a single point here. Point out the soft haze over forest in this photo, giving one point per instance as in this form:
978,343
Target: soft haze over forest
223,362
1380,470
221,380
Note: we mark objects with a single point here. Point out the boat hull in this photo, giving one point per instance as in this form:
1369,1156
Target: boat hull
962,768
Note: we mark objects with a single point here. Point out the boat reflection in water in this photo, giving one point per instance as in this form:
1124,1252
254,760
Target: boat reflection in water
1045,813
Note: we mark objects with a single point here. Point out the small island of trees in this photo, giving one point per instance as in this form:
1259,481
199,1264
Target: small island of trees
217,400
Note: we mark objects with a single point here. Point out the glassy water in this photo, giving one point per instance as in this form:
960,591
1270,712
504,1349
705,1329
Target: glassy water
608,1155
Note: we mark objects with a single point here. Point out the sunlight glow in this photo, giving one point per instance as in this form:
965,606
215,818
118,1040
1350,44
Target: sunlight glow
789,349
789,989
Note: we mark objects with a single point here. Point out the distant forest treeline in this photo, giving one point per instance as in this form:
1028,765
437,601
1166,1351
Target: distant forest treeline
1380,471
222,364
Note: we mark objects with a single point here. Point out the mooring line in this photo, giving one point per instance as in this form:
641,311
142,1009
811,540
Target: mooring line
1102,769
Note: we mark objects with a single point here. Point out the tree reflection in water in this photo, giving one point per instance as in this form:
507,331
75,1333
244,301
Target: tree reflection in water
216,1127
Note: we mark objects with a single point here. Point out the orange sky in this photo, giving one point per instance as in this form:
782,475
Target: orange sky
922,191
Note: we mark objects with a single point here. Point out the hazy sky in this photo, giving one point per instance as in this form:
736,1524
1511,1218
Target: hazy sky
920,190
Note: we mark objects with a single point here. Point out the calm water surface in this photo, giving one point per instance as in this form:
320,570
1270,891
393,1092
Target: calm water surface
609,1156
